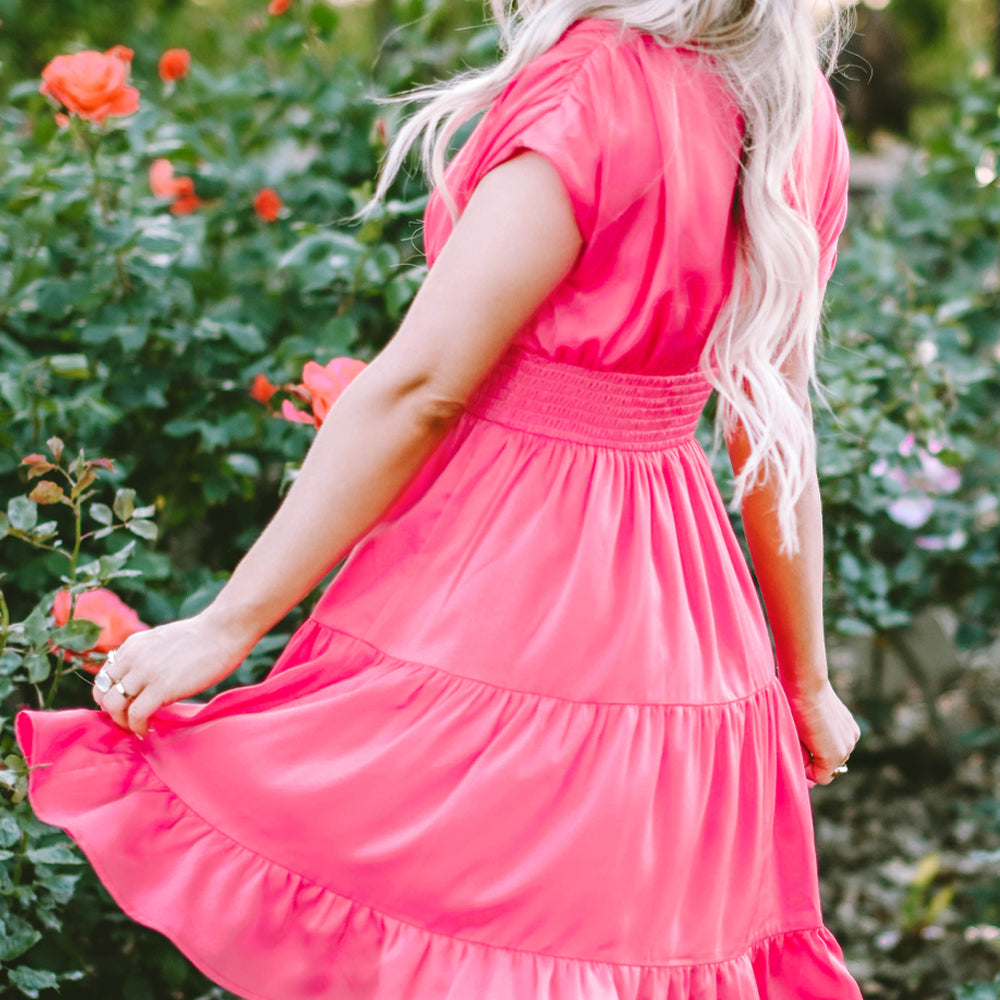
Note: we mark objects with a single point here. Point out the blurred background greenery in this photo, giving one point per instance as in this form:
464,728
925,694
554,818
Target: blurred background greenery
137,334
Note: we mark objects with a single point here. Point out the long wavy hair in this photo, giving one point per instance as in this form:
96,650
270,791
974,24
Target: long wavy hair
767,51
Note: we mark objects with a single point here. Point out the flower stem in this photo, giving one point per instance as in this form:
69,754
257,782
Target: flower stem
4,622
99,190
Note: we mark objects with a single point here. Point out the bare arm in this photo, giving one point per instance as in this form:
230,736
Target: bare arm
792,588
515,242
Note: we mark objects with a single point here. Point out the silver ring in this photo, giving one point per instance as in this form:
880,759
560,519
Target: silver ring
103,681
840,770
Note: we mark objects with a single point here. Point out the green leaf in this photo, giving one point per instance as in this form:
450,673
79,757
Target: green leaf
116,560
10,660
101,513
36,626
247,338
17,940
144,529
29,981
245,465
37,667
10,830
77,635
61,885
54,854
124,504
70,365
22,513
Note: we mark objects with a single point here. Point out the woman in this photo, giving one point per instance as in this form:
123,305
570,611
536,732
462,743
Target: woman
532,743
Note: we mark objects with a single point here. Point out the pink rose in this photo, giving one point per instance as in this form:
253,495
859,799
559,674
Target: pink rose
117,620
321,387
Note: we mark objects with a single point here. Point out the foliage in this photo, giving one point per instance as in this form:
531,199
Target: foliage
140,331
40,869
913,359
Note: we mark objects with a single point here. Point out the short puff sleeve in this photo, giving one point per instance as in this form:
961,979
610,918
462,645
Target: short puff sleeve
548,108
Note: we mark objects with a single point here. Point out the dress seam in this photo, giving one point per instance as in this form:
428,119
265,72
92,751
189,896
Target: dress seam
399,662
387,916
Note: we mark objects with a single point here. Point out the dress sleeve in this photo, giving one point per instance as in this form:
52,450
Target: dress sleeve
831,213
547,109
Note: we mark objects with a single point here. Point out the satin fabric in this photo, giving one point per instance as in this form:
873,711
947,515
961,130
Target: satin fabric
530,744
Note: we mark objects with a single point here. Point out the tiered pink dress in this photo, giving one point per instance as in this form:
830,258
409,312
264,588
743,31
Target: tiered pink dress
530,745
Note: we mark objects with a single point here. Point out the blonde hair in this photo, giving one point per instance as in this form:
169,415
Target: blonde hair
767,51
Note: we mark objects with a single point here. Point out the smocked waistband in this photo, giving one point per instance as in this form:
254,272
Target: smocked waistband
627,410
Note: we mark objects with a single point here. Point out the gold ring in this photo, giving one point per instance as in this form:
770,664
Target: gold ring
120,688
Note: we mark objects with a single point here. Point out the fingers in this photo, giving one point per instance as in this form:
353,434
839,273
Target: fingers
131,709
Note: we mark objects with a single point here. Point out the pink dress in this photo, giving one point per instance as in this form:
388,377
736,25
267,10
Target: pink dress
530,744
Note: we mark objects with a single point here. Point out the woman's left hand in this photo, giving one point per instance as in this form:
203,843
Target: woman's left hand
164,664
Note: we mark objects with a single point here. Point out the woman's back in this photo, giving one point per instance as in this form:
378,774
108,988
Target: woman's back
646,139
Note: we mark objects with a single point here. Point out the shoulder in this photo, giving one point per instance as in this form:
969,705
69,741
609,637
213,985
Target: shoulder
577,59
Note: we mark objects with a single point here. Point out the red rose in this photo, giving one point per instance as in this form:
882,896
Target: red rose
117,620
187,201
278,6
322,386
174,64
262,389
91,84
267,204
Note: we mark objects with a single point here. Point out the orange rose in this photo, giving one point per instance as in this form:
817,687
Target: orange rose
262,389
91,84
117,620
174,64
122,52
322,386
163,184
278,6
187,201
267,204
